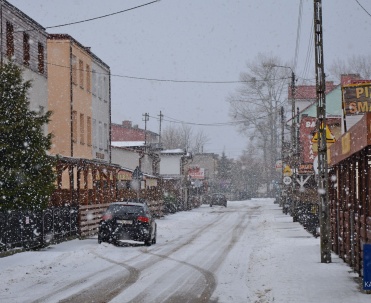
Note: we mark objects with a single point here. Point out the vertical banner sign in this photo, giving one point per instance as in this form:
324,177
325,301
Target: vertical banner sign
367,266
307,129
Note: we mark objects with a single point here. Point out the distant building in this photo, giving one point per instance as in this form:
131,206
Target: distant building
23,40
126,132
306,95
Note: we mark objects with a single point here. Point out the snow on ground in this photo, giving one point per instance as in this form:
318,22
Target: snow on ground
275,260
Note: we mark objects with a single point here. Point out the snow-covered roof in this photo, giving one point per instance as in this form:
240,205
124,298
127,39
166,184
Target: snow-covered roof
173,151
128,143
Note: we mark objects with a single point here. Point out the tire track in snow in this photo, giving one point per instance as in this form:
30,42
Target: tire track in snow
208,279
106,291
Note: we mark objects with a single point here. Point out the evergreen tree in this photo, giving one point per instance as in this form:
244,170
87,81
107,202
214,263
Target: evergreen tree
224,173
26,171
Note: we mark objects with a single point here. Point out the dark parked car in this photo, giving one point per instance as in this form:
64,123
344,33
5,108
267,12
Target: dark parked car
127,221
218,199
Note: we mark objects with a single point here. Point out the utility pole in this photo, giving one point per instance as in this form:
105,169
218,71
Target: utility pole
322,144
1,32
293,150
159,137
282,153
293,147
146,118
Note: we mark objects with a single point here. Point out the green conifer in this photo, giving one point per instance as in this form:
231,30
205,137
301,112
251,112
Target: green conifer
26,171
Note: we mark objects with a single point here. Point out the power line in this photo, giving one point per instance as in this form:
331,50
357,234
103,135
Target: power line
298,34
173,120
172,80
363,8
230,123
308,58
94,18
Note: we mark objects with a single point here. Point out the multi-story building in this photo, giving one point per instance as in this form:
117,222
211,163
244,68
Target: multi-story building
24,41
79,96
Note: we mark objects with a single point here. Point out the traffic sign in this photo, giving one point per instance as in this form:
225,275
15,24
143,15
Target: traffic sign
137,174
287,172
287,180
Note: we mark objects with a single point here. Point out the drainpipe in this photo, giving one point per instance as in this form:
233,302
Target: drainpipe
71,99
110,119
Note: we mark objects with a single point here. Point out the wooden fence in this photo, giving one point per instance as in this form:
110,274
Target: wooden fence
350,193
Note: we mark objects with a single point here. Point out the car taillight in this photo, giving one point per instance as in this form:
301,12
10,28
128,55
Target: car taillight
143,219
106,217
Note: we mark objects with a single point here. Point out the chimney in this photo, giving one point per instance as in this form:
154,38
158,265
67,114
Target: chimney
126,124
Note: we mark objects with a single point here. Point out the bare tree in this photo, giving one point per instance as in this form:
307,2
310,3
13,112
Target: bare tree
171,138
357,64
186,134
182,137
255,106
199,141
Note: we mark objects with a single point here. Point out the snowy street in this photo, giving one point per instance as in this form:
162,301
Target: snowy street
247,252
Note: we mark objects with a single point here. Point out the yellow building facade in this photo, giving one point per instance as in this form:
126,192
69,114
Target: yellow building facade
70,97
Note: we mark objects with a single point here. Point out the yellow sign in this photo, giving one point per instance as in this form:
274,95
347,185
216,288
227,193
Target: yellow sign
287,172
329,136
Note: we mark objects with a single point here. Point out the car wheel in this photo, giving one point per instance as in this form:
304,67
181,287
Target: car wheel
148,242
155,236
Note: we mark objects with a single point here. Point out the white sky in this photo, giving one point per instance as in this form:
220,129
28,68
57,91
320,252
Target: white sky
269,259
208,40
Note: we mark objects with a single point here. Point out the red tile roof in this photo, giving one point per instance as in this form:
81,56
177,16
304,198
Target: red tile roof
308,92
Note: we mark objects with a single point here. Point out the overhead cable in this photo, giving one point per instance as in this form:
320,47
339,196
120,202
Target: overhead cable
172,80
298,34
363,8
94,18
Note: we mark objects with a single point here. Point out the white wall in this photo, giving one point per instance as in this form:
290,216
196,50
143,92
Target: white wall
125,158
170,164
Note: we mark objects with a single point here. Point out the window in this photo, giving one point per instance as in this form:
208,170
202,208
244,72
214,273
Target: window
41,58
94,133
105,143
26,49
88,84
88,130
100,82
74,69
9,39
100,135
81,72
74,126
105,89
94,74
82,129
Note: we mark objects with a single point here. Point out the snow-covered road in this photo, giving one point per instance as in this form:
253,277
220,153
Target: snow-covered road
247,252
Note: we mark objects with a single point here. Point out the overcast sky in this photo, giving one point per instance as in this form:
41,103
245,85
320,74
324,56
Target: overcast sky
199,40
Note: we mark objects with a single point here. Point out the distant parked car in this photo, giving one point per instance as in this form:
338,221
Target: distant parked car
218,199
206,198
127,221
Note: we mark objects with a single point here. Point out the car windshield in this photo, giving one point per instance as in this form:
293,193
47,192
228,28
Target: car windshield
118,209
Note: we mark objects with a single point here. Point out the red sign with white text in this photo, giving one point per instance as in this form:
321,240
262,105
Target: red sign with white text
196,172
307,128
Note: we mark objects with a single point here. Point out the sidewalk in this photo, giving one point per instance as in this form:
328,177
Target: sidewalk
291,262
